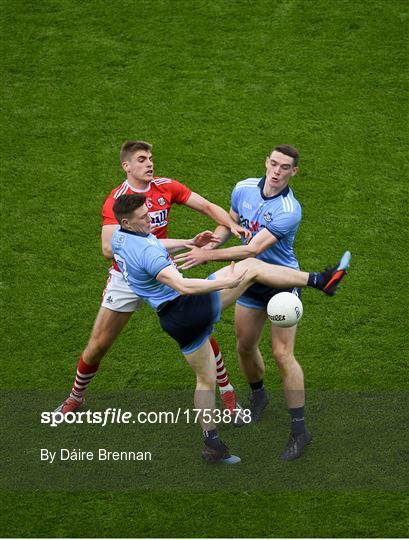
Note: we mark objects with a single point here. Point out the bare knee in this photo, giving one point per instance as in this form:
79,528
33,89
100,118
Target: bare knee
206,374
252,266
282,352
246,347
206,381
285,359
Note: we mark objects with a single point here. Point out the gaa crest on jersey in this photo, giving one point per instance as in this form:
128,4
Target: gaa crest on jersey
268,216
161,201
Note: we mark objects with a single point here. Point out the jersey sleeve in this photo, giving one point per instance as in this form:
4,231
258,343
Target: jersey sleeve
284,223
235,200
180,193
154,260
108,217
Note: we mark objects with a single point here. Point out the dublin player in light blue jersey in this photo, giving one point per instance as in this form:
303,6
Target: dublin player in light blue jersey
267,207
188,308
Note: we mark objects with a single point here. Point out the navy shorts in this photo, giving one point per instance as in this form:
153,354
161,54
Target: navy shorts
257,296
189,320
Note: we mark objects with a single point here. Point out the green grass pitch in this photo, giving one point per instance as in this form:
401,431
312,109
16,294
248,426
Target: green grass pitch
213,85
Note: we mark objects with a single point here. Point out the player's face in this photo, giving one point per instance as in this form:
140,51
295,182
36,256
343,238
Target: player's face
139,168
279,171
140,221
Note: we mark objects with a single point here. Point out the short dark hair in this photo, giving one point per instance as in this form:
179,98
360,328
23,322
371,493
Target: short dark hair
288,150
125,205
130,147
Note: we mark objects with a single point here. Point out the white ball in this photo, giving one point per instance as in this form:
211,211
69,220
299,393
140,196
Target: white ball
285,309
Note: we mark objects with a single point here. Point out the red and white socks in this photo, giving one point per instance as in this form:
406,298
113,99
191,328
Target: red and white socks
222,377
85,374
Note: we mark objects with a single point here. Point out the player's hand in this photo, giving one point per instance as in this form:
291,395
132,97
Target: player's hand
191,258
240,231
204,238
234,278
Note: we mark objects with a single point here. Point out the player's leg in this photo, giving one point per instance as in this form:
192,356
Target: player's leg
226,389
283,340
203,364
118,304
249,324
222,377
260,272
107,327
281,277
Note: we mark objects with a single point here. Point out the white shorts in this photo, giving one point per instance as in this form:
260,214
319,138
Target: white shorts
117,295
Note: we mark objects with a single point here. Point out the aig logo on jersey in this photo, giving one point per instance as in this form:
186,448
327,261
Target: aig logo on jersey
161,201
268,216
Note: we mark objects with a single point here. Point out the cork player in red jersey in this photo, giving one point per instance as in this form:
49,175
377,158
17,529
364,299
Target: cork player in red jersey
118,301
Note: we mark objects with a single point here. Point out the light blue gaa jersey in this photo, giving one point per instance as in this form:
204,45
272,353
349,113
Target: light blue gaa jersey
140,258
281,215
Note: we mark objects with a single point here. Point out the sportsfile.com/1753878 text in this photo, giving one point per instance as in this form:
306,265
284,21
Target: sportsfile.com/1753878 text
118,416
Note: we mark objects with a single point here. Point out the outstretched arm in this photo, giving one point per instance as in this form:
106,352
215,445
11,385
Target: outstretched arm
215,212
200,240
172,278
259,243
224,233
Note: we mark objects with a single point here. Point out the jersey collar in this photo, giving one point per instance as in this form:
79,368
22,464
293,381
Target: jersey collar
283,193
135,190
134,233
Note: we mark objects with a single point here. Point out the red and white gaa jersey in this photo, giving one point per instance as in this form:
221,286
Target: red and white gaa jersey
161,194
